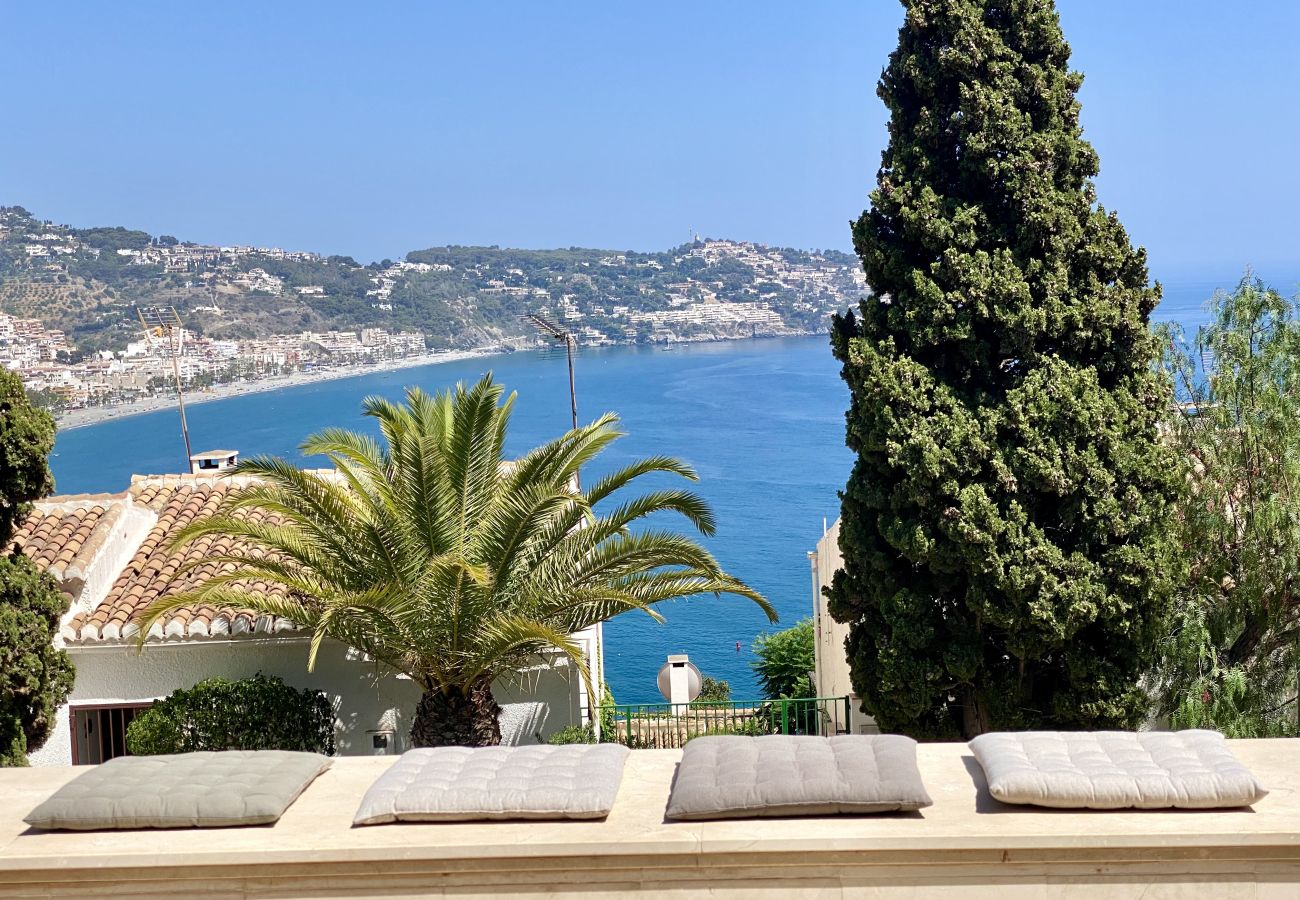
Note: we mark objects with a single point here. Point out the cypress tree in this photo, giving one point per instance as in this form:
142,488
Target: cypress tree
1006,556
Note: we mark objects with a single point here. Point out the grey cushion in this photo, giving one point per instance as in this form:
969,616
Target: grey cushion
723,777
457,784
186,790
1115,770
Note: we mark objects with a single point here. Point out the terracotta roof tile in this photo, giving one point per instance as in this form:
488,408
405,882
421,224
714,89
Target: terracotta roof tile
60,528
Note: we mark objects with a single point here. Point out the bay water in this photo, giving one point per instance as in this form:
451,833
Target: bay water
762,421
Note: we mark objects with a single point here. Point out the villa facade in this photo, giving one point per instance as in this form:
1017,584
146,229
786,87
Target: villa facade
111,556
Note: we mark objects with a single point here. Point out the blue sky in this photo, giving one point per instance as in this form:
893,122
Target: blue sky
379,128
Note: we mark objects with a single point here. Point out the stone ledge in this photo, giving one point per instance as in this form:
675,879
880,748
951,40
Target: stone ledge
965,845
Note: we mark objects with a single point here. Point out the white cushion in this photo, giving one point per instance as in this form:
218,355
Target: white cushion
1115,770
728,777
184,790
456,784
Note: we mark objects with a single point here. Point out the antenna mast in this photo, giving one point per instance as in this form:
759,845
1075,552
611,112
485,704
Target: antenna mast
548,329
164,332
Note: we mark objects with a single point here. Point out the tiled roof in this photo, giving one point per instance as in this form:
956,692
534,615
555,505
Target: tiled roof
155,571
56,534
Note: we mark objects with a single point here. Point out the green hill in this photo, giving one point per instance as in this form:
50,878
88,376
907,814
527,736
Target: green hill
87,281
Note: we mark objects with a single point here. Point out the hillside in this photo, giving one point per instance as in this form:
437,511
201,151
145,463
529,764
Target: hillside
86,282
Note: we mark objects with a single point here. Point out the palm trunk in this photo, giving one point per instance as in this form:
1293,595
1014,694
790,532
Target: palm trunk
457,717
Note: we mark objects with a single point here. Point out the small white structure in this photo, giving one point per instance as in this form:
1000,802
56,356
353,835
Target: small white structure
832,671
111,555
211,461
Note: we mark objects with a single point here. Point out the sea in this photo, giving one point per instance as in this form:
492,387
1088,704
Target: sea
762,422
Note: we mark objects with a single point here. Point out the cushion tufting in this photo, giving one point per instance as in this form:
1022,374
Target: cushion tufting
456,784
185,790
1115,770
723,777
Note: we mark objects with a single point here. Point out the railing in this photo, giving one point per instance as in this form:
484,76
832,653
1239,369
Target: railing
671,725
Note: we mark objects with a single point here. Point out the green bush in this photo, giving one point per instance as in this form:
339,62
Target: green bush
714,690
785,659
573,734
258,713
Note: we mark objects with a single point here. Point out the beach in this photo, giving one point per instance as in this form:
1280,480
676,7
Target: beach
92,415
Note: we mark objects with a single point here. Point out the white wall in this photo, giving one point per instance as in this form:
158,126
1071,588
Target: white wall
535,704
832,670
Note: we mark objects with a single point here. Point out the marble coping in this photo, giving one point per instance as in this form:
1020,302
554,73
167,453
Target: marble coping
965,823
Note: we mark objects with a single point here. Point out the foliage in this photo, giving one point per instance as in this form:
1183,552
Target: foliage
26,439
713,690
461,305
258,713
573,734
785,659
608,716
1007,557
435,557
1231,662
35,678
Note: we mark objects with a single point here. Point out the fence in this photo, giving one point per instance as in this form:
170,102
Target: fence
670,725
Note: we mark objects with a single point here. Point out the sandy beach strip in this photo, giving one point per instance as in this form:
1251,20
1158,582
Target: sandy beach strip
93,415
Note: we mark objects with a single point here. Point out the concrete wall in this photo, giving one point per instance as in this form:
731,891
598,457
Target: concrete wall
832,670
536,702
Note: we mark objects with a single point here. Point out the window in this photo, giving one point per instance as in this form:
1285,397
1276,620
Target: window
99,731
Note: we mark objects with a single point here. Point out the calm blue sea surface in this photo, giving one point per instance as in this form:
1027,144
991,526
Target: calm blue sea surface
761,420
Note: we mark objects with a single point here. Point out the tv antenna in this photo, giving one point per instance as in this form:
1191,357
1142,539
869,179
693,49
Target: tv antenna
166,335
549,330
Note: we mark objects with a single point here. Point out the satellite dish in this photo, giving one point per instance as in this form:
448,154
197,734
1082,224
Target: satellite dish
694,681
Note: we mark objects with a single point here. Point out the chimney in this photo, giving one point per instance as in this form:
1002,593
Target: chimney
212,462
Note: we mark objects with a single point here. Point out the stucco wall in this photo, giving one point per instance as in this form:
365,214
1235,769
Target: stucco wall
536,703
832,660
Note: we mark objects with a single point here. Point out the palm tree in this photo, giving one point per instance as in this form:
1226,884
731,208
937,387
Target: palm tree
440,559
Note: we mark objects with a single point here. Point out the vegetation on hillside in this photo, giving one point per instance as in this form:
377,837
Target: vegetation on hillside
86,281
1008,562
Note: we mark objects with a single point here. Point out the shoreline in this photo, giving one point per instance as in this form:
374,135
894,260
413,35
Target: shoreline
97,415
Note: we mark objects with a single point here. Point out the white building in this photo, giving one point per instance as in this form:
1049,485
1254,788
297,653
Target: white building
110,555
832,669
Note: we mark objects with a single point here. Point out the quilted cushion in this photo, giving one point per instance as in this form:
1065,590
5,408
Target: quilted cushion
1115,770
185,790
456,784
724,777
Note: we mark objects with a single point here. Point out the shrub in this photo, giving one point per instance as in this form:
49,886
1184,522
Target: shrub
35,678
573,734
258,713
714,690
785,659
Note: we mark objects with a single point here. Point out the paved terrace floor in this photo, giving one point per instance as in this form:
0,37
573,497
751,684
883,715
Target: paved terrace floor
966,845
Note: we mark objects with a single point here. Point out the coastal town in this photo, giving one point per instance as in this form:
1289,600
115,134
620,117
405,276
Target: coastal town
71,300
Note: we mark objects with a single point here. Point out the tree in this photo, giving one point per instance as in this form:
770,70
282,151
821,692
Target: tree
1006,550
785,661
26,439
1231,661
438,559
35,678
